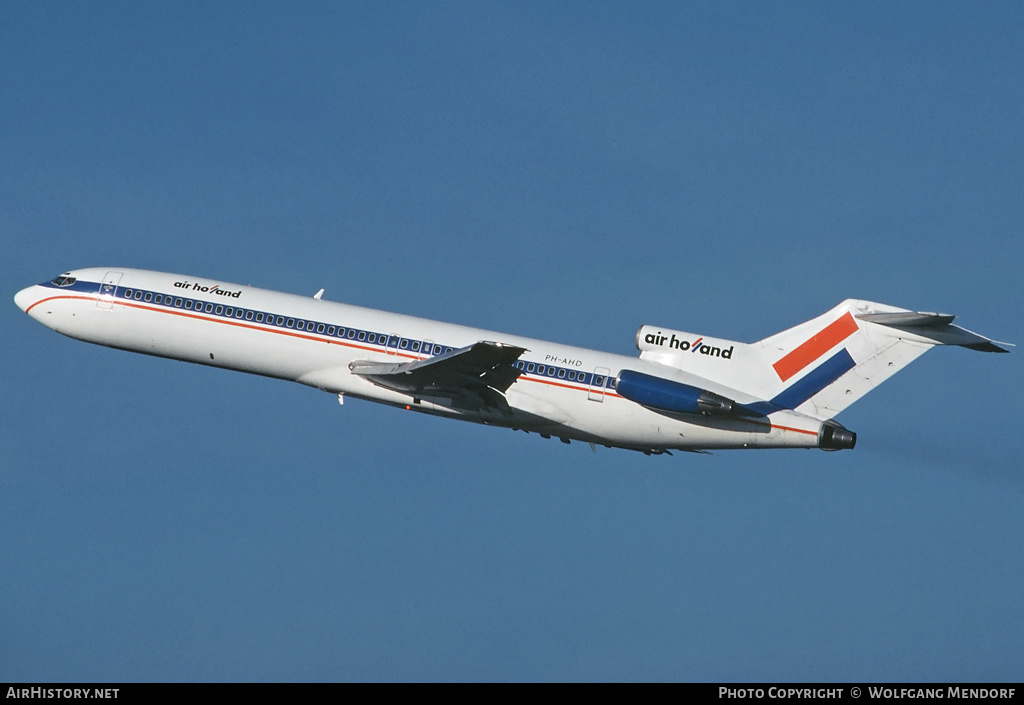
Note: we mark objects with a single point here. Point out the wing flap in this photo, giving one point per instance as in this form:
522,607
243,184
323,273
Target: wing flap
481,372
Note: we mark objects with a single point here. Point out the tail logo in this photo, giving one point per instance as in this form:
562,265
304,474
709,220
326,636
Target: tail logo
794,362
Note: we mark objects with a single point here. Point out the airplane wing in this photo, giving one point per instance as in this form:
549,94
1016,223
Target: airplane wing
473,377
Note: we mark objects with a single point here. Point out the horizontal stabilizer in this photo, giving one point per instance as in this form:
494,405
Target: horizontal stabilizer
908,318
936,327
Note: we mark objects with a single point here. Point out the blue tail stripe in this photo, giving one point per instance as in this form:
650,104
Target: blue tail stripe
819,378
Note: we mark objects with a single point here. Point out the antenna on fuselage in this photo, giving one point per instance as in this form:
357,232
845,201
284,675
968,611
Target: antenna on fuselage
318,294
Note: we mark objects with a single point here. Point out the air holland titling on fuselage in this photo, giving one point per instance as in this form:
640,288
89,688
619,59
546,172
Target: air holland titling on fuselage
685,391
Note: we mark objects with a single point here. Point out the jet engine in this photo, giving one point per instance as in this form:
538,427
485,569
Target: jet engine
666,395
834,437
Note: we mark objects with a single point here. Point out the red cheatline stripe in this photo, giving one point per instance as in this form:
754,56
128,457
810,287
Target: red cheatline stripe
808,352
795,430
52,298
291,334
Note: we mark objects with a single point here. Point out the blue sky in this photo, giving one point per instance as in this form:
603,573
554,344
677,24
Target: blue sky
568,173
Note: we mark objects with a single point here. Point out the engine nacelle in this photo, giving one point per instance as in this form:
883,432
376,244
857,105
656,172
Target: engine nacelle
666,395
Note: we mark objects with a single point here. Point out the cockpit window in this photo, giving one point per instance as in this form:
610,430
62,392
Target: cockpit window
64,280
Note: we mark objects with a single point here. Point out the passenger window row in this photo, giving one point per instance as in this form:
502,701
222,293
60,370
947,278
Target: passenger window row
424,347
570,375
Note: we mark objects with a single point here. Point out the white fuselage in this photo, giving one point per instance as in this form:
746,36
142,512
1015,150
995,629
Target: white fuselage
563,391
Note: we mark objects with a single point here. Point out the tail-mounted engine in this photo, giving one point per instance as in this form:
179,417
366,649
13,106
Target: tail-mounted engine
833,436
665,395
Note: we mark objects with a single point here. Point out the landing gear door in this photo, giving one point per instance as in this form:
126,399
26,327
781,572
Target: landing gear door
597,384
108,289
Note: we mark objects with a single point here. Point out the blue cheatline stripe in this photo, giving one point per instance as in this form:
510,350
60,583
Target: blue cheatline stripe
226,309
819,378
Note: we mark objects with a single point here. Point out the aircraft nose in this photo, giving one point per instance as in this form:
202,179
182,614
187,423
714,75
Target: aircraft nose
25,298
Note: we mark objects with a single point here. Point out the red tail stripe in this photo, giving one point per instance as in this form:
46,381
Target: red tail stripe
833,334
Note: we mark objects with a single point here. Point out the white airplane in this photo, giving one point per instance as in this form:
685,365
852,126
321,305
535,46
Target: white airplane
685,391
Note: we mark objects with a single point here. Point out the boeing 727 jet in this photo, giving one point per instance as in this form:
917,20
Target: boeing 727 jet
684,392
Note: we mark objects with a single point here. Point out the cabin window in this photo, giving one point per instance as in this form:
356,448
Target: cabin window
138,295
177,303
415,346
158,298
248,315
362,335
127,293
239,312
149,297
290,323
351,334
319,327
372,338
530,368
220,309
330,330
404,344
229,311
188,304
561,374
311,325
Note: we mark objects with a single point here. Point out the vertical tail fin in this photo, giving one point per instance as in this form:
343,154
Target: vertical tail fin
824,365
